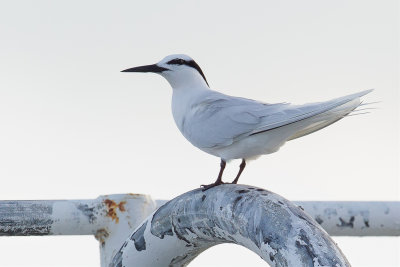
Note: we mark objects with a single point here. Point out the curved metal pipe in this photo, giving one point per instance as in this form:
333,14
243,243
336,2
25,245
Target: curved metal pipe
264,222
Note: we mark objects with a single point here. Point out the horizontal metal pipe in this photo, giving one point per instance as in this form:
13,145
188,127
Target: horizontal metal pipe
352,218
111,218
86,217
355,218
50,217
70,217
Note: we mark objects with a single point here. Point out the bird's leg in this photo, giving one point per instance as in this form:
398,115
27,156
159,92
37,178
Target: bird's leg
219,179
241,168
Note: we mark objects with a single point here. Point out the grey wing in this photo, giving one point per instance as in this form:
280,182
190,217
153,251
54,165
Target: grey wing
221,120
293,114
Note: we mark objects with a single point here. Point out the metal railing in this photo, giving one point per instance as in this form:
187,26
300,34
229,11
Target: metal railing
131,230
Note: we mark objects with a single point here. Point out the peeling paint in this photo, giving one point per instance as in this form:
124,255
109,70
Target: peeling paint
343,223
21,218
138,238
117,259
319,220
337,216
89,212
197,220
242,191
305,248
271,256
96,217
281,233
160,225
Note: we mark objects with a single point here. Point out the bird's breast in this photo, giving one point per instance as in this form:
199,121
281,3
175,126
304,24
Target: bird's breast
179,112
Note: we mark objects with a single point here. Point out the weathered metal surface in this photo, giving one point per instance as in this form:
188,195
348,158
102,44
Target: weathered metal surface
351,218
355,218
51,217
109,218
271,226
69,217
25,218
124,213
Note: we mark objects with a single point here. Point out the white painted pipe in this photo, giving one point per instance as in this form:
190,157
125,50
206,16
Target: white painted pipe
87,217
109,218
355,218
351,218
112,218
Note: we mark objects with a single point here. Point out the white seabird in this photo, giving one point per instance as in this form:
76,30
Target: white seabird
238,128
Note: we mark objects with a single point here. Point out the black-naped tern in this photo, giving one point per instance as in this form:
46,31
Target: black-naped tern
238,128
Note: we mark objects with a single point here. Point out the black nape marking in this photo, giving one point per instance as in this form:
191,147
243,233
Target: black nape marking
190,63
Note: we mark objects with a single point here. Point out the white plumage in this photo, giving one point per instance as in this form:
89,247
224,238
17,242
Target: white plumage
238,128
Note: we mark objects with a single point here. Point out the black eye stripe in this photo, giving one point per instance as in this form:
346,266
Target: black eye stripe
176,61
191,63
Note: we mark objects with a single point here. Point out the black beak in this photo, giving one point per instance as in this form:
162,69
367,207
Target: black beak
148,68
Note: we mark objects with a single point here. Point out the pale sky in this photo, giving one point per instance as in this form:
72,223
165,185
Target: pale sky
72,126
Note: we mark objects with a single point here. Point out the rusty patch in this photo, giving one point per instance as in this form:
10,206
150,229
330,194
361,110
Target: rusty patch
121,206
135,195
101,236
112,207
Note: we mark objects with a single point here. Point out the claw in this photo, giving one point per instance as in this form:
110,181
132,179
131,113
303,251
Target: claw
208,186
219,179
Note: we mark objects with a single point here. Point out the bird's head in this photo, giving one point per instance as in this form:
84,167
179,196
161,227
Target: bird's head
179,70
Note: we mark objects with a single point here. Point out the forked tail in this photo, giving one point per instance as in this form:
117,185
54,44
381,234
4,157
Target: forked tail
328,117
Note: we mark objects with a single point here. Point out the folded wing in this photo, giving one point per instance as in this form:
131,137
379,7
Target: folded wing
220,120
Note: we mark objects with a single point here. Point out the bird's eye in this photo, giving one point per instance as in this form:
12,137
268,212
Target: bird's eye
181,61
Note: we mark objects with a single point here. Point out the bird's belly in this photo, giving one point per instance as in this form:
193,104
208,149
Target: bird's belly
252,146
259,144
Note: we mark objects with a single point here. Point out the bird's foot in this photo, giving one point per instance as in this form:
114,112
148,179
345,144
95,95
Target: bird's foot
208,186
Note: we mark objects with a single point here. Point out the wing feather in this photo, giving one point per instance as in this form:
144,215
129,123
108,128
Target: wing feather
220,120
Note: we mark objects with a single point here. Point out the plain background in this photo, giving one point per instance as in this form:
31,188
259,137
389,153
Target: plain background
72,126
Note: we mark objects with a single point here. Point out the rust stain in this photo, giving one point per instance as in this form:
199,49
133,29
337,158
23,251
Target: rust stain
112,207
101,236
135,195
121,206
